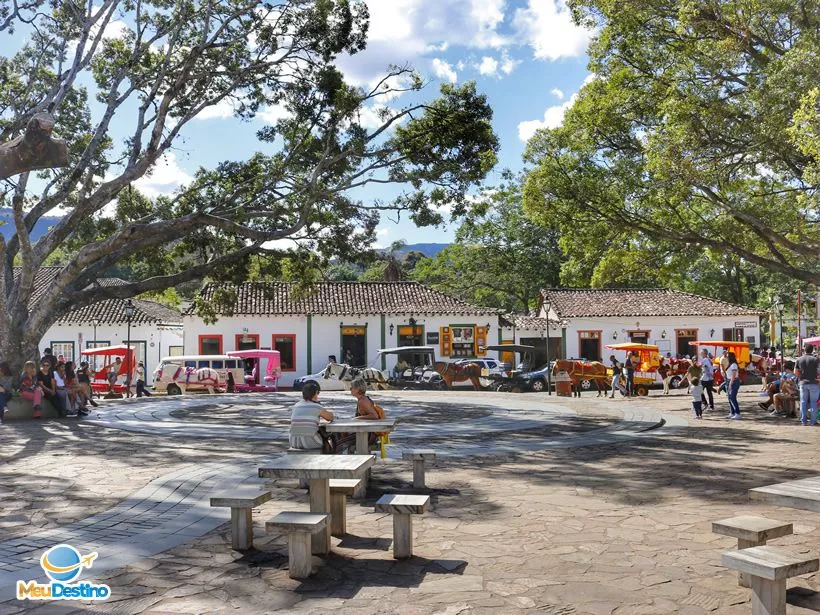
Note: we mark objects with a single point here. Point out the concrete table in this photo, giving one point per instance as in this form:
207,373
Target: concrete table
803,494
362,429
319,469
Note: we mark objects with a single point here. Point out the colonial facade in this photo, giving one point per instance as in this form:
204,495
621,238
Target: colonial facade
340,318
589,319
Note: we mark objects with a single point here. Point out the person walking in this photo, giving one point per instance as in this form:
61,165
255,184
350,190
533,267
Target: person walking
629,364
707,379
806,371
141,381
697,398
733,386
616,374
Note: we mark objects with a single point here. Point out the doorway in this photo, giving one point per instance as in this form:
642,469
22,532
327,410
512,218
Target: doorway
684,336
353,350
589,345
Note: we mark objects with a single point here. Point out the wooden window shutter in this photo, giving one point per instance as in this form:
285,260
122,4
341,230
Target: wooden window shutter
481,341
446,342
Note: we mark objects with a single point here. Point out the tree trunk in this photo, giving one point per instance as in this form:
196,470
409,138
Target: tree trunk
35,149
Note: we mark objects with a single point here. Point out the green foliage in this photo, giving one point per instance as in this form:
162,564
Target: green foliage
699,130
500,258
169,63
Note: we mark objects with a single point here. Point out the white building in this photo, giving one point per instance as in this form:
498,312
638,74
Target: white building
336,318
156,331
584,320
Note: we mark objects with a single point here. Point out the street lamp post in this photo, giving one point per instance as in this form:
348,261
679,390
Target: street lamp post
547,306
94,323
777,304
129,314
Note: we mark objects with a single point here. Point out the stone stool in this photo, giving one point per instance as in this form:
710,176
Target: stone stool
340,490
768,568
299,527
241,502
403,507
751,531
419,457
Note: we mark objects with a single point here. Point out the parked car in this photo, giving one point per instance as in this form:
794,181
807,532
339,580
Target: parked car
327,384
536,380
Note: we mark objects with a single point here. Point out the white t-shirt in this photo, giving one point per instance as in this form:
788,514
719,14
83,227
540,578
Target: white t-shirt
708,369
59,380
732,372
697,392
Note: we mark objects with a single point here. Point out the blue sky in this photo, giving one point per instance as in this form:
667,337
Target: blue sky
525,55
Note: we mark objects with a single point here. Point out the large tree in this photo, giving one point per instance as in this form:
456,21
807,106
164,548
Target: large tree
500,258
699,129
145,69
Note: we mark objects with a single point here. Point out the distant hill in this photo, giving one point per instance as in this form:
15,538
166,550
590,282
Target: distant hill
428,249
8,230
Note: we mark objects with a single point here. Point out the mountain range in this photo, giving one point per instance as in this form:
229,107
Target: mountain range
8,230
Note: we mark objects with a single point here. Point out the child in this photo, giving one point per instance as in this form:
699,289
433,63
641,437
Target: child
697,402
304,419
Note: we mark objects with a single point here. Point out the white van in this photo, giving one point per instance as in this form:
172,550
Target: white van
176,375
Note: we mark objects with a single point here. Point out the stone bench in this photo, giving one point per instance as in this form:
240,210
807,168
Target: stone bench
241,502
20,408
340,490
768,568
751,531
419,458
403,507
300,526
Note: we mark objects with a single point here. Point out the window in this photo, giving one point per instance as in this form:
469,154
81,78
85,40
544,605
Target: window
176,351
247,341
230,364
463,340
286,345
217,364
202,364
190,363
638,337
66,349
210,344
733,335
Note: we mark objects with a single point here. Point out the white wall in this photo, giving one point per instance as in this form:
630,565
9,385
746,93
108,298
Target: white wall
614,330
158,339
325,335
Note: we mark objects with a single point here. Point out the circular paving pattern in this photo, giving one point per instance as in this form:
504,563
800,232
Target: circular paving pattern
455,423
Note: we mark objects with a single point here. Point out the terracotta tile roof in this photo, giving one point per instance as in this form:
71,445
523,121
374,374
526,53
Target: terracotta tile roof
519,321
110,311
602,302
348,298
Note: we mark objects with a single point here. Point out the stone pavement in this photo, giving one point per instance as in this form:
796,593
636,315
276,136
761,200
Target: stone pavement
617,527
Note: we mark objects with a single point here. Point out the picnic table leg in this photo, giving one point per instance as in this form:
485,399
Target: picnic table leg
362,449
320,503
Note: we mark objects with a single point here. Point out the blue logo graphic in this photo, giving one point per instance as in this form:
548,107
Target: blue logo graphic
64,563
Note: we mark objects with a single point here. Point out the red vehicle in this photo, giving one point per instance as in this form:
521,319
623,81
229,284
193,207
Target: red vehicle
99,379
273,370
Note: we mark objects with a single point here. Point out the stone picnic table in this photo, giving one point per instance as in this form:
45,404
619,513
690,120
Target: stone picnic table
803,494
362,429
319,469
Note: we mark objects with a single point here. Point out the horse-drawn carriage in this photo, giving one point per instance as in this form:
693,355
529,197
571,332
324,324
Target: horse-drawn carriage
520,377
647,370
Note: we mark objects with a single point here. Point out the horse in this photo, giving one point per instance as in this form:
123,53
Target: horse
452,372
205,377
346,374
579,371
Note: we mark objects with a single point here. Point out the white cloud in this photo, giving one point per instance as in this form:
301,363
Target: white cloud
488,66
443,70
557,93
553,118
370,117
547,27
221,110
164,178
273,113
508,64
405,31
115,28
382,232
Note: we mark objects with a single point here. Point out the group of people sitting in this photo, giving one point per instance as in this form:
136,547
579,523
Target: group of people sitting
66,386
797,380
307,432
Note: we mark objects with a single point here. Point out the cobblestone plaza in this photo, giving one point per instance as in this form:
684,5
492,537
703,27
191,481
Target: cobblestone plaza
538,505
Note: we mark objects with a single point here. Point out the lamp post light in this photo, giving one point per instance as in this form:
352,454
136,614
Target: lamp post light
129,315
547,306
94,323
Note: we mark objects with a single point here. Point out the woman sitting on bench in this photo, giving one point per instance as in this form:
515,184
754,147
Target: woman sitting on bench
367,410
304,419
